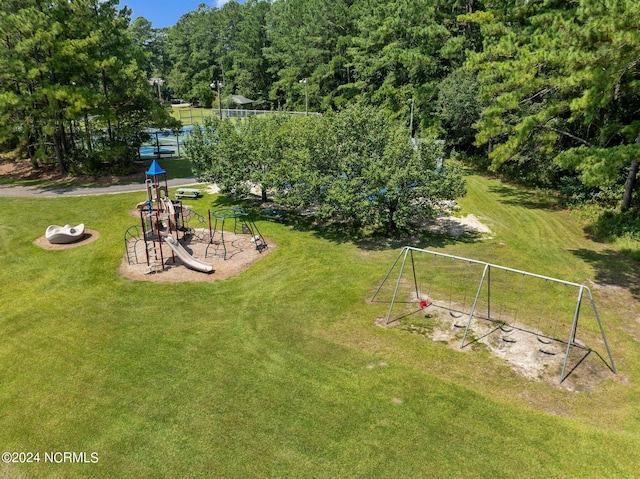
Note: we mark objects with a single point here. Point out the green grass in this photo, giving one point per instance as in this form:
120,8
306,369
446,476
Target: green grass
280,372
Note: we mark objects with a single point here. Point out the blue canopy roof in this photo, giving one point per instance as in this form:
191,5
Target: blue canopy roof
155,169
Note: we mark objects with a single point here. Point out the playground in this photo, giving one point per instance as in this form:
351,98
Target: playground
284,369
165,246
242,255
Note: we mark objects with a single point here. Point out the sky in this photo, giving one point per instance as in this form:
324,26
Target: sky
165,13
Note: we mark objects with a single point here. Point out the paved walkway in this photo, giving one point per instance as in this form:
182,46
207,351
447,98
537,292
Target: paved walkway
37,192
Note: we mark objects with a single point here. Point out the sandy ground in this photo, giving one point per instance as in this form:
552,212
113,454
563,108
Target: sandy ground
457,226
518,344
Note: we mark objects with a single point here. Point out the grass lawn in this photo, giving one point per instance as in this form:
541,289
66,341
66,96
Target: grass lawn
281,372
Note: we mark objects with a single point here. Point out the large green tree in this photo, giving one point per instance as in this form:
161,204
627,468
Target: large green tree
245,65
220,44
153,42
238,156
309,39
404,48
457,108
364,170
195,52
356,166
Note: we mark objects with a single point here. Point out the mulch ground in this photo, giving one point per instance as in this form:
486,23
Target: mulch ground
241,254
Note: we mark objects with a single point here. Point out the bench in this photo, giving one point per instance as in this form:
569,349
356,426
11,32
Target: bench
272,214
188,193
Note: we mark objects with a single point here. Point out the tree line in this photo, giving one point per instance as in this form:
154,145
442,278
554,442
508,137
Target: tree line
544,91
72,90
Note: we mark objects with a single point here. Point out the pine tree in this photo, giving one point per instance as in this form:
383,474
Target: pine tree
559,82
62,63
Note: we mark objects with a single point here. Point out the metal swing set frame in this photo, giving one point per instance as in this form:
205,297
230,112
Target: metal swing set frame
407,256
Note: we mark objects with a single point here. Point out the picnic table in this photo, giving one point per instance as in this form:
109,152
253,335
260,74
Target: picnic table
188,193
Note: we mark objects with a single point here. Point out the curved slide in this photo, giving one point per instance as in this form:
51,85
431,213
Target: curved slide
186,258
168,205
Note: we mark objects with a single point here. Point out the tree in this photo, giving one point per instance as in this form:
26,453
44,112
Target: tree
246,71
195,51
220,44
218,154
458,108
239,156
309,39
404,48
356,166
62,63
372,175
559,83
154,43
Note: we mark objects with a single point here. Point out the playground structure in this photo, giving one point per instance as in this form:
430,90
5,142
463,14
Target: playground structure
167,222
508,300
64,234
161,222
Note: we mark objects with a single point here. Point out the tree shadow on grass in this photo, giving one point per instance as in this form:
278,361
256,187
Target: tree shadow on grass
515,196
230,201
377,241
613,225
339,233
613,268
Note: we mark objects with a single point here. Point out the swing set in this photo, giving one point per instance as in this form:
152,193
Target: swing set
475,290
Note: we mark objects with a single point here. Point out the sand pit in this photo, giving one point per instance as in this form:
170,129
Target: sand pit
241,254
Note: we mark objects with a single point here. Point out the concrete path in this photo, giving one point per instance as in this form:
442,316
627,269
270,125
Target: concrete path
37,192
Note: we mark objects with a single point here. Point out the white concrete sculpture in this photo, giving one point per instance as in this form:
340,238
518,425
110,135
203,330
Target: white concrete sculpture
64,234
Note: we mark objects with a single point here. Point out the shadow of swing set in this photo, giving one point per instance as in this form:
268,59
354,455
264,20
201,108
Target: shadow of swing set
506,298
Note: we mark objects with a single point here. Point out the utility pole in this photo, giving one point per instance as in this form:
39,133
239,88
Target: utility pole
411,120
216,84
306,97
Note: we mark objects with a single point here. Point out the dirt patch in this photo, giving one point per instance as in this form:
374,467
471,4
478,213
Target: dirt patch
521,346
240,255
457,226
19,169
89,237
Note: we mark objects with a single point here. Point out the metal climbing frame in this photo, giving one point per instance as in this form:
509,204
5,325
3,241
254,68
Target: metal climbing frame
240,218
131,238
407,255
